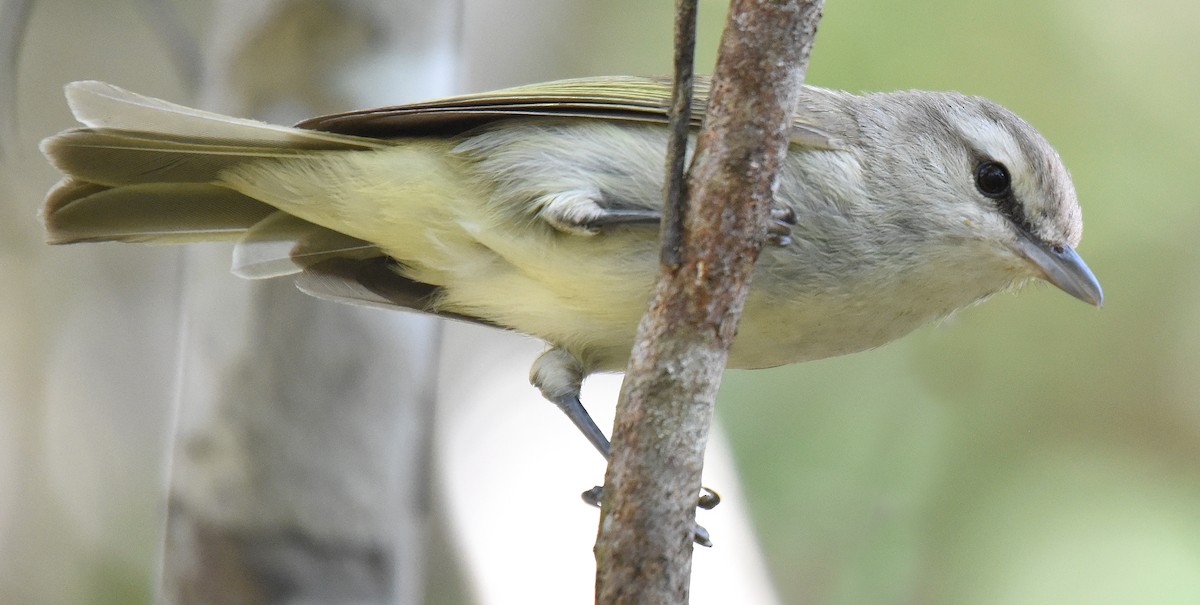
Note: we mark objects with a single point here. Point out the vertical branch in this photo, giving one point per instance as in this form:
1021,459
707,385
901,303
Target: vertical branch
644,545
680,123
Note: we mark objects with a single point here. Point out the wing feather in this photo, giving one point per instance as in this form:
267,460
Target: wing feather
282,244
373,282
624,98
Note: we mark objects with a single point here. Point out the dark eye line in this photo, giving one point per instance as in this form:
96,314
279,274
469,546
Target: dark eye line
1014,211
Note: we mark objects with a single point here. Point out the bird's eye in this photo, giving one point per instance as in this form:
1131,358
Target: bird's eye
993,180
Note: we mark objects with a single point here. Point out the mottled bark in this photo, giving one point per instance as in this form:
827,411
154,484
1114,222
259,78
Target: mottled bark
645,539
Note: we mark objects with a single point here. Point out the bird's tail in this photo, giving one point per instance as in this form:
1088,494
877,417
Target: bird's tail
145,170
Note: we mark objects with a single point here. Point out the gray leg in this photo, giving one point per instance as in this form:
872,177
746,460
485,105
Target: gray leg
559,376
578,212
573,408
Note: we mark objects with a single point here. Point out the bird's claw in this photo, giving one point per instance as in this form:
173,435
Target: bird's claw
783,218
708,500
593,496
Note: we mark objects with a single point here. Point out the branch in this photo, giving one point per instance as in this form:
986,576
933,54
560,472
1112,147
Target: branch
680,123
644,545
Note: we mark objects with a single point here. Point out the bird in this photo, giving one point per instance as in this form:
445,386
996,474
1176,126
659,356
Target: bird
535,209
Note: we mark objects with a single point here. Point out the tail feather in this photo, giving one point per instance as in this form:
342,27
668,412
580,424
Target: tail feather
172,213
100,105
148,170
117,157
144,170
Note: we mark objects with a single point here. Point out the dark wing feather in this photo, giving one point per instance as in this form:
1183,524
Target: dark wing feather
622,98
374,282
618,98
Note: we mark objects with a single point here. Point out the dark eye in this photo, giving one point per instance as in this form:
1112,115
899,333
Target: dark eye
993,180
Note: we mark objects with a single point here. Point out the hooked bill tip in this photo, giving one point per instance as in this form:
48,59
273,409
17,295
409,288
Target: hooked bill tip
1060,265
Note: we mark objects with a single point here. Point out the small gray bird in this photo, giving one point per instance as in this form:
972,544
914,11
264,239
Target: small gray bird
535,209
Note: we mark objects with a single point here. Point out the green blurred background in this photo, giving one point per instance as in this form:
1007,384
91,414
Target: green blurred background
1031,450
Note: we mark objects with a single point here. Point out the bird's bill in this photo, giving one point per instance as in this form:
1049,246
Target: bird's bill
1060,265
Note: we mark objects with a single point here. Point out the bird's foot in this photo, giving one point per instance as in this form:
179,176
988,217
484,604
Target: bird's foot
708,500
779,233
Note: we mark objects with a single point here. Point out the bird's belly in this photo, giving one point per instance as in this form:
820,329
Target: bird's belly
772,335
591,306
587,295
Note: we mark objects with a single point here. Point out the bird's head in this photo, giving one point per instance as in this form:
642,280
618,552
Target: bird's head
979,174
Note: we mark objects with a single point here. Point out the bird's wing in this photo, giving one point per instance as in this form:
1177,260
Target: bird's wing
373,281
621,98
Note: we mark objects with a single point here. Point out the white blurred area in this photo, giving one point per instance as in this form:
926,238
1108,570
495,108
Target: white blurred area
107,353
512,481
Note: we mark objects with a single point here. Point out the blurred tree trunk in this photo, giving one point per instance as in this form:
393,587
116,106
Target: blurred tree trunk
301,460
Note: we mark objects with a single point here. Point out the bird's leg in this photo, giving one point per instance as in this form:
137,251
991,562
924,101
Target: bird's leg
580,212
559,376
